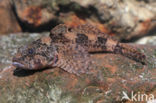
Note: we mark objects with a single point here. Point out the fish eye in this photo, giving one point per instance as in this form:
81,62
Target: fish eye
70,29
30,51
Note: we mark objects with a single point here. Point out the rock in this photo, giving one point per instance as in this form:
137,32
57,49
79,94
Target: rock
8,21
125,18
147,40
113,75
35,16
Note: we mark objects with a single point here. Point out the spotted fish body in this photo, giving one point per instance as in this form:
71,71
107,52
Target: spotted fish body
69,47
93,40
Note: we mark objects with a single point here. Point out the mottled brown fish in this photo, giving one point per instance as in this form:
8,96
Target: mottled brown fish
69,48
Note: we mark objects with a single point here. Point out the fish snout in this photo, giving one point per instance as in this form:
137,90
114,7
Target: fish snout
16,63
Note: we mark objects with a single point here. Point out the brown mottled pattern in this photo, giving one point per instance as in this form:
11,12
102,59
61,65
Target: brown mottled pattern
73,58
94,40
39,54
69,47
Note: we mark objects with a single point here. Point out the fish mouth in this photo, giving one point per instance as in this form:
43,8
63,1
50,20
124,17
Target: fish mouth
18,65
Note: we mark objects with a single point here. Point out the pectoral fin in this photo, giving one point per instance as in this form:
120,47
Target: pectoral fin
73,58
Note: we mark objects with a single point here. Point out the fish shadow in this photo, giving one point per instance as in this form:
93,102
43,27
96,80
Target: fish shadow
23,72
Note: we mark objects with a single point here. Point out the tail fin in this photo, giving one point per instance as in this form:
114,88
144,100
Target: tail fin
130,52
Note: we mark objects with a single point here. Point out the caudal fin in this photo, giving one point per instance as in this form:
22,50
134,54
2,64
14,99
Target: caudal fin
130,52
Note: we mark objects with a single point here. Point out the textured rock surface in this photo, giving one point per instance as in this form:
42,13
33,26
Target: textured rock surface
35,16
8,22
125,19
113,75
147,40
